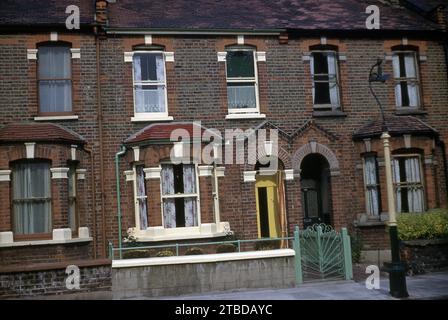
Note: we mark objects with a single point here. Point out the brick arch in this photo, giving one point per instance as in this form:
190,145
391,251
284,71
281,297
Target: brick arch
252,157
313,147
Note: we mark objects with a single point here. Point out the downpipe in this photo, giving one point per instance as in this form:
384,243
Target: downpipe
117,176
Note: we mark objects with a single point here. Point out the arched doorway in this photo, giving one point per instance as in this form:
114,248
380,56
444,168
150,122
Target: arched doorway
315,184
270,202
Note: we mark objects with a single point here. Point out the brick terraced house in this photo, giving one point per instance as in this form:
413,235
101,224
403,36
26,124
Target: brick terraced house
76,102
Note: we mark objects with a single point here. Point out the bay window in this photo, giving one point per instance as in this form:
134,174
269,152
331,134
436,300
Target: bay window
242,81
179,195
371,186
406,79
324,72
31,197
407,177
54,78
150,97
140,197
72,211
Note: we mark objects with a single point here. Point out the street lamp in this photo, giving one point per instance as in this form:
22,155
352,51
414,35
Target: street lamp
396,268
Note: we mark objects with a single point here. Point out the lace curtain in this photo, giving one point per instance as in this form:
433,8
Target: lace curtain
370,180
32,198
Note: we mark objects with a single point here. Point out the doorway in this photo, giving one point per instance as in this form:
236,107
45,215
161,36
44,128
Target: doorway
268,213
315,181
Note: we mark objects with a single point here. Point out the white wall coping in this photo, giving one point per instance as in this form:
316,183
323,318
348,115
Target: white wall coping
205,258
44,242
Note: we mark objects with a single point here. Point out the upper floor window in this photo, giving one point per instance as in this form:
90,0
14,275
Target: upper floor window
371,185
407,177
324,71
54,77
242,81
150,97
179,195
406,79
31,197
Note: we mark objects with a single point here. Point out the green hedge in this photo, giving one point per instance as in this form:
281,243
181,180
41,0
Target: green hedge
426,225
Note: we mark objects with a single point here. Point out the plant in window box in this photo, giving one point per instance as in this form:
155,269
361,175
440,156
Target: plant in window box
136,254
226,248
165,253
267,245
194,251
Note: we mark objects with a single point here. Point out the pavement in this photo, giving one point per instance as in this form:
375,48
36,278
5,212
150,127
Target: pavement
431,286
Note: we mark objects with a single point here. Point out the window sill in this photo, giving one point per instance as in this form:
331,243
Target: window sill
323,114
365,220
205,230
55,118
149,119
408,112
235,116
44,242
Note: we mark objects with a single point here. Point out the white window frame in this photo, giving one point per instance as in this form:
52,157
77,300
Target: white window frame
150,115
236,111
137,198
405,184
371,186
72,175
318,107
183,195
415,80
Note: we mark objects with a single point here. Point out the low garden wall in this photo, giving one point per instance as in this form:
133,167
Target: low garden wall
51,279
423,256
170,276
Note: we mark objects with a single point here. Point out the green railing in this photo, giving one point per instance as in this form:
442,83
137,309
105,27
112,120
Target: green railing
300,256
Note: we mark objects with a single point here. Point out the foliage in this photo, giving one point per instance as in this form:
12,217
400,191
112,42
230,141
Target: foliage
427,225
194,251
356,246
225,248
267,245
135,254
165,253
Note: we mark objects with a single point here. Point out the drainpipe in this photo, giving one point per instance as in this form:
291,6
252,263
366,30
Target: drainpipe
117,175
92,182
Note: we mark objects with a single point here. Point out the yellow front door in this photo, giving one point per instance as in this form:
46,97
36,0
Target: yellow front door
268,219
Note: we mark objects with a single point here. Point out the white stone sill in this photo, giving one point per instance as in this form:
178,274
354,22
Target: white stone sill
149,119
56,118
234,116
144,238
44,242
206,258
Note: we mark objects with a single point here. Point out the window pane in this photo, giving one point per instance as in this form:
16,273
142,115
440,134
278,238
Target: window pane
149,98
72,197
320,63
54,62
31,193
240,64
141,192
149,67
322,93
370,181
241,95
55,95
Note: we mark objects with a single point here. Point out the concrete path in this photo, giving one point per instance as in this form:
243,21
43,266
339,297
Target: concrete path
428,286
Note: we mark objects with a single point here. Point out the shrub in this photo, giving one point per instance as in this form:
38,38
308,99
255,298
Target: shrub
356,245
165,253
194,251
427,225
135,254
267,245
225,248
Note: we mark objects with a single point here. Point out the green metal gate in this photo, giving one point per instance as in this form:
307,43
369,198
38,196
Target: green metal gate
322,254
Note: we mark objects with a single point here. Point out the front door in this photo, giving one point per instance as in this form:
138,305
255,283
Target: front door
311,202
267,206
